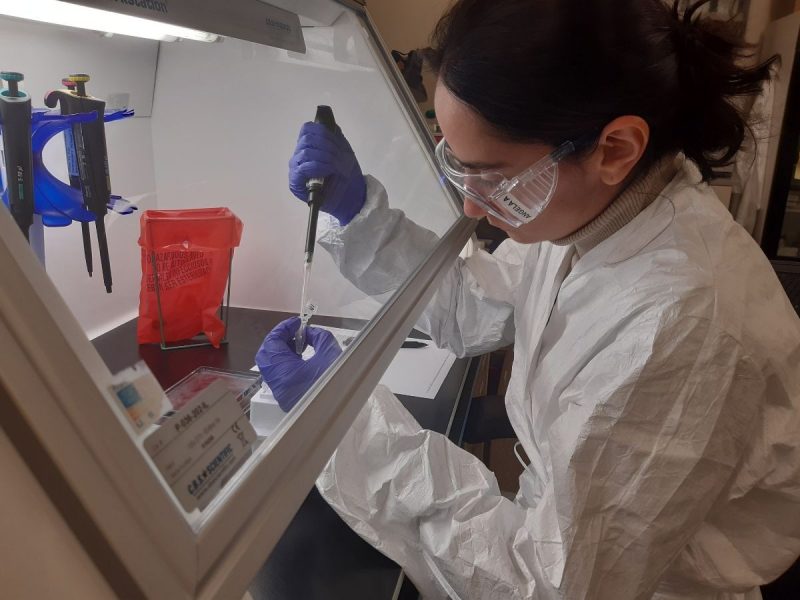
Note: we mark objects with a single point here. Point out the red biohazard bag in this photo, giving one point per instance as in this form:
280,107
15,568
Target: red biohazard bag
192,250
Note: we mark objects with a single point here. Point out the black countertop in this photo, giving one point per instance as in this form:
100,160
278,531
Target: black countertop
318,555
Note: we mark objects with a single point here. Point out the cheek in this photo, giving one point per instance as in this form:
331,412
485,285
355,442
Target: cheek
552,224
561,217
532,233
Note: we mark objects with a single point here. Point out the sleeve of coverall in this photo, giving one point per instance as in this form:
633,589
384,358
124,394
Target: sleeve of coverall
646,440
472,311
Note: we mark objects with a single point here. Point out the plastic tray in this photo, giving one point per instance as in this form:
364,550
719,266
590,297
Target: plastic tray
244,383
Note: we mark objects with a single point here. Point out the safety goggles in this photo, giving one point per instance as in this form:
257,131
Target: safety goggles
514,201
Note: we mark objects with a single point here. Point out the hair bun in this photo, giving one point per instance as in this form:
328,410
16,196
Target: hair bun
684,23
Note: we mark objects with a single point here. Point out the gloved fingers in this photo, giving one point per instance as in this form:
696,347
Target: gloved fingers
326,350
320,140
284,331
316,135
344,143
313,156
321,339
309,128
300,172
278,367
305,171
288,401
288,381
290,395
272,355
276,355
299,191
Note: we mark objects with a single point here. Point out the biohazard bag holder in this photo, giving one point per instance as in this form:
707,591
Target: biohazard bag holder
190,258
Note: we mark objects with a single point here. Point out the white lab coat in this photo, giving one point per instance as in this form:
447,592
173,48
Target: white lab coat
655,388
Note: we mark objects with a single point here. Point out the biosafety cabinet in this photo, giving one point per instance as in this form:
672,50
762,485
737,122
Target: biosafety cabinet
203,103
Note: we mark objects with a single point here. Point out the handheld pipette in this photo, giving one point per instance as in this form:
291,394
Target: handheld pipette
316,196
75,179
90,145
15,119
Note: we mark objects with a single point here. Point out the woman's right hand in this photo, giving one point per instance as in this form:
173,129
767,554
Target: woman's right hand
322,153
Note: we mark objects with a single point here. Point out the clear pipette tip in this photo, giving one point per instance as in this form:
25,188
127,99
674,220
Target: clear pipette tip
305,315
300,337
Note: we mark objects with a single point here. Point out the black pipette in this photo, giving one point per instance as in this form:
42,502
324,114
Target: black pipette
316,196
15,117
75,180
90,144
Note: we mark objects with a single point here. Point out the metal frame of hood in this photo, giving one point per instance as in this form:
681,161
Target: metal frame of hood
54,392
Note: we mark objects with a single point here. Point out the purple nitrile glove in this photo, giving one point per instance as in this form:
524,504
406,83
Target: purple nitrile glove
287,374
322,153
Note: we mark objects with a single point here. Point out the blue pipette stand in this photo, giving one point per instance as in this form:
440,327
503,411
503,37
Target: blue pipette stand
57,203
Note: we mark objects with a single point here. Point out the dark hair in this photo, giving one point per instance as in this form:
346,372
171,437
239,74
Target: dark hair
555,70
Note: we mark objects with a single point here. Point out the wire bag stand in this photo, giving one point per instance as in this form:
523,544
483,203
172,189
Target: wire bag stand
200,339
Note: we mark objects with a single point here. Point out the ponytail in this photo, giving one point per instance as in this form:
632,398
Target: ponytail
711,78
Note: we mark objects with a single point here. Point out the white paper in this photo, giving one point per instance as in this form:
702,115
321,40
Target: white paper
416,372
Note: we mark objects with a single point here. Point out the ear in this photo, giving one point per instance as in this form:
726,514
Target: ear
622,143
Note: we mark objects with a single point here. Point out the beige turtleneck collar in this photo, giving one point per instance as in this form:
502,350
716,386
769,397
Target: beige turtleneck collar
625,208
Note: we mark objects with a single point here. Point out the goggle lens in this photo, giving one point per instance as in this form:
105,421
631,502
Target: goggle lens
516,201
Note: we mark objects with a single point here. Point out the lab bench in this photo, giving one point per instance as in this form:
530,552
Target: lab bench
318,555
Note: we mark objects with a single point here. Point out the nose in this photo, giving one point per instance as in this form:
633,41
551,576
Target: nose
473,210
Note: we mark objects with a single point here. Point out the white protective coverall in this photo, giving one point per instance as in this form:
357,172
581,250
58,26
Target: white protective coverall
655,388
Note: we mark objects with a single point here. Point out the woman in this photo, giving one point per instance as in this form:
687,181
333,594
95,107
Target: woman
655,385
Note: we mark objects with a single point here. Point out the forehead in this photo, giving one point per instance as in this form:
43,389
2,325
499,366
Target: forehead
461,125
473,140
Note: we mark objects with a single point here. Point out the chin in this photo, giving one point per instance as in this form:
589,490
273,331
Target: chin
519,234
528,237
516,234
500,224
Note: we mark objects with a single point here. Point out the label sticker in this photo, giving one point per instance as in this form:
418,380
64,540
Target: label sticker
511,203
180,439
140,395
206,477
202,445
